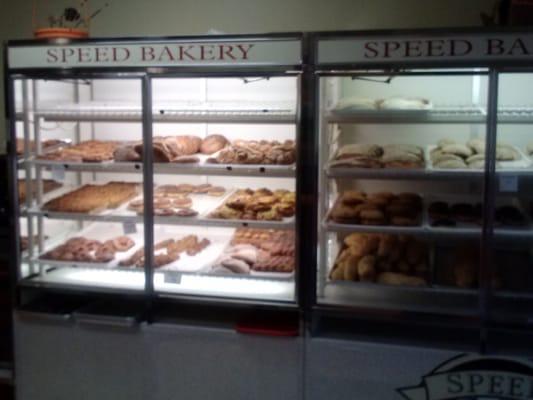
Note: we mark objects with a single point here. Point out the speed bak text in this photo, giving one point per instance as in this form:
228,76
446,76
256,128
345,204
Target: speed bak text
179,53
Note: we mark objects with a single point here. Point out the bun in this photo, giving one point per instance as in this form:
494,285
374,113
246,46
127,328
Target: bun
213,143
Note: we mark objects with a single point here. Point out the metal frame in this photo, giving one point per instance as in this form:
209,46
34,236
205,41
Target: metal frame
147,167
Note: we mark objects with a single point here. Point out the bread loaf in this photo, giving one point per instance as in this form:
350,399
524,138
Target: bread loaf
213,143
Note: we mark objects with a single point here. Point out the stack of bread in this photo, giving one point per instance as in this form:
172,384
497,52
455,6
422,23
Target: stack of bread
382,258
364,155
450,154
382,208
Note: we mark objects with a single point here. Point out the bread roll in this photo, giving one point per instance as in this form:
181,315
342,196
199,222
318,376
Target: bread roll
366,268
457,149
213,143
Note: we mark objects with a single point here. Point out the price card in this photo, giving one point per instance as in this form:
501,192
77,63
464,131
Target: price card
172,277
58,173
129,227
508,183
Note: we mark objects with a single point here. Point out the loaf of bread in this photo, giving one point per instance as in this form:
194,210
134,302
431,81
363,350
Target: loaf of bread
213,143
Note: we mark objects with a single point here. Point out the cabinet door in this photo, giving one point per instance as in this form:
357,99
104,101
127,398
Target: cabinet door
509,280
62,360
44,354
346,370
206,363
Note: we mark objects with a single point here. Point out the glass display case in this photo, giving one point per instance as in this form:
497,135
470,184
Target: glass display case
409,166
509,298
207,130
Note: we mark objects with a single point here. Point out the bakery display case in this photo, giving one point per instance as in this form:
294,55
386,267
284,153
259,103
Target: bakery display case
160,167
75,228
408,161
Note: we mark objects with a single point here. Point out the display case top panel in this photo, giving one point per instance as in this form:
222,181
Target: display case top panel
423,48
208,51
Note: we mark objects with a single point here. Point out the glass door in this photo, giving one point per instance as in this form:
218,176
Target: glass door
511,279
224,199
77,230
401,172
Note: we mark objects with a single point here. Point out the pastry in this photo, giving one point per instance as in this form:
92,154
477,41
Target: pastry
213,143
352,197
357,162
126,153
48,185
88,151
91,198
457,149
506,153
366,268
477,145
359,149
394,278
445,142
216,191
450,164
123,243
182,202
186,212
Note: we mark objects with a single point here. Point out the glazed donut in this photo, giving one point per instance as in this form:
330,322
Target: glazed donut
185,188
163,212
93,245
216,191
182,202
161,202
186,212
202,189
105,253
123,243
83,256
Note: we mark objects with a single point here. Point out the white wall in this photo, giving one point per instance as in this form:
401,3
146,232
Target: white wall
181,17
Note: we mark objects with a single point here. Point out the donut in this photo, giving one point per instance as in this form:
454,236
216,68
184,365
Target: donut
161,202
216,191
83,256
105,253
202,189
186,212
163,212
123,243
136,205
93,245
182,202
185,188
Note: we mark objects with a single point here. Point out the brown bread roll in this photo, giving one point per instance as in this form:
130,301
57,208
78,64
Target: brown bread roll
213,143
